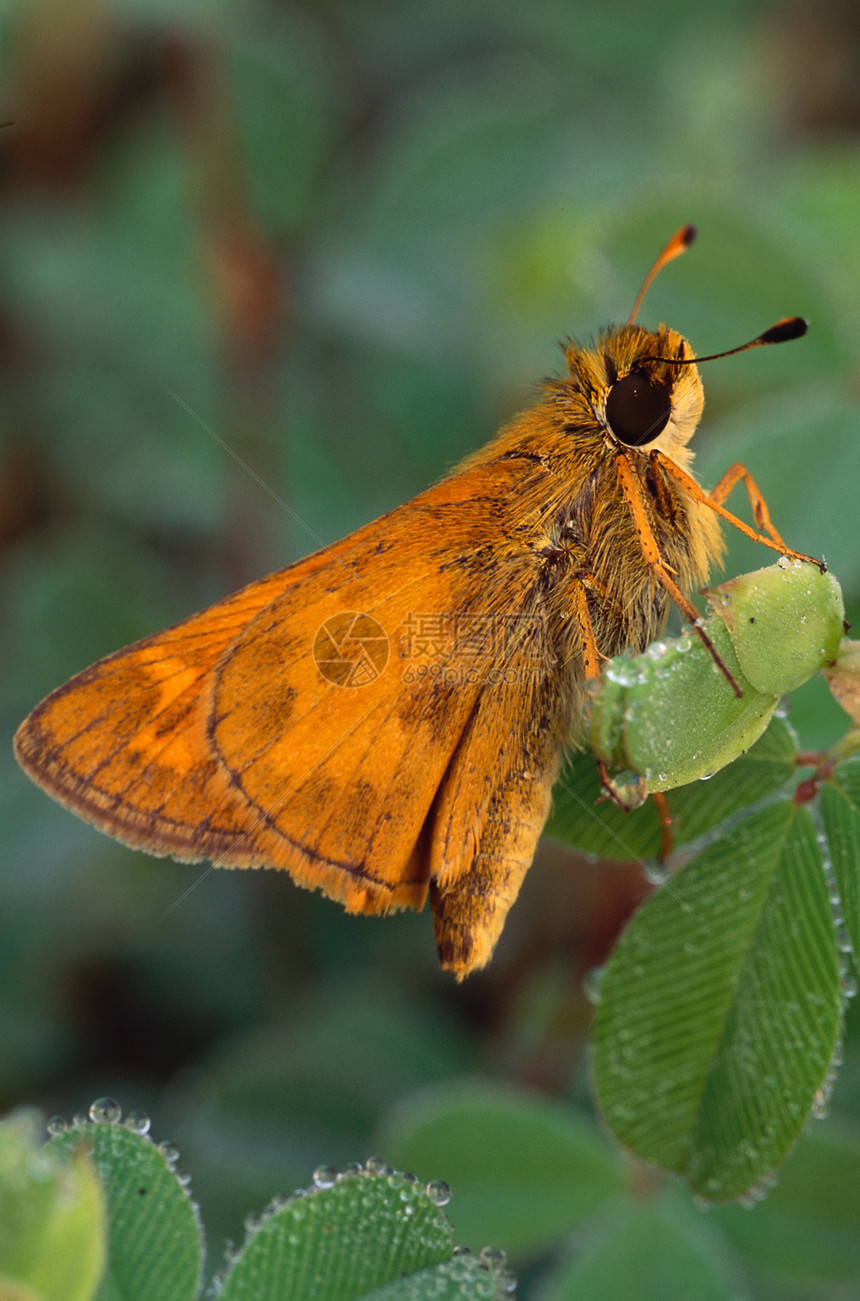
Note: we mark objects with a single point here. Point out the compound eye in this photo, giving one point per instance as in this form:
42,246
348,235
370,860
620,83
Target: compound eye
638,408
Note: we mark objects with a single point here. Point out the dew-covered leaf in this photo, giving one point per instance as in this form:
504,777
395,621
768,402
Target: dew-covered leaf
720,1008
341,1241
580,817
840,813
465,1278
154,1249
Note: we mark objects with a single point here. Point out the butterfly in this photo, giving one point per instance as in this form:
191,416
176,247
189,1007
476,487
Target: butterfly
385,719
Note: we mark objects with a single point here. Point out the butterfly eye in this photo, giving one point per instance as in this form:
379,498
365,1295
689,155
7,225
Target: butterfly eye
637,408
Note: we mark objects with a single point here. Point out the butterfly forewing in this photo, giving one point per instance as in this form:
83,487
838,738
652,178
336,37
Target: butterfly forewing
235,736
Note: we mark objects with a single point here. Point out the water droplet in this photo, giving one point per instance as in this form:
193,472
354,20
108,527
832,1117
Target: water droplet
439,1192
104,1111
254,1220
325,1176
137,1122
622,673
495,1258
591,983
183,1178
79,1119
848,984
783,562
375,1165
169,1151
57,1125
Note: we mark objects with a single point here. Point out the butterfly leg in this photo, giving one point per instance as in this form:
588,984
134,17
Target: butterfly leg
718,495
658,567
591,667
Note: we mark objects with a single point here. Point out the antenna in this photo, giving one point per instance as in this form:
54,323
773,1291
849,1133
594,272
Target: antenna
678,244
790,327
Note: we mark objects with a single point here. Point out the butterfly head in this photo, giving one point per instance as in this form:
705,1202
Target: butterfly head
635,389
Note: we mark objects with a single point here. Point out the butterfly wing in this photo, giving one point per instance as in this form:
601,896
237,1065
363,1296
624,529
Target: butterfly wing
221,738
121,744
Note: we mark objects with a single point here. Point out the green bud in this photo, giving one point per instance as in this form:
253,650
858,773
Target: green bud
670,716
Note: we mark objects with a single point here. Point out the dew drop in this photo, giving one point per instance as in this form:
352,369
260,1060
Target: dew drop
183,1178
495,1258
137,1122
57,1125
104,1111
783,562
622,673
254,1220
79,1119
325,1176
439,1192
169,1151
375,1165
591,983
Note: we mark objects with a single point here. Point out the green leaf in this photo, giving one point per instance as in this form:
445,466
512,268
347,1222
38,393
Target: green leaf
342,1241
602,828
466,1278
154,1246
720,1008
525,1170
840,813
52,1224
645,1251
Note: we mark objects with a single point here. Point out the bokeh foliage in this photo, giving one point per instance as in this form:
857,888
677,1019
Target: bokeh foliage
344,238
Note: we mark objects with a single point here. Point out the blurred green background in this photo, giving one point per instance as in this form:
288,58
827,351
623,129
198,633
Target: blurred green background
266,270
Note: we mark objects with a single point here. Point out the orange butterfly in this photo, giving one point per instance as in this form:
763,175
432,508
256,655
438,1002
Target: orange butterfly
386,718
